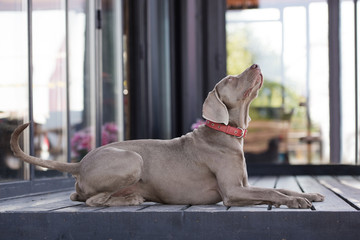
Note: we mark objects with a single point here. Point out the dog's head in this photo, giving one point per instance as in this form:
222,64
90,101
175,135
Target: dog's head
232,92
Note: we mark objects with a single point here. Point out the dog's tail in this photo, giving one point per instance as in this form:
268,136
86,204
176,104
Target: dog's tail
72,168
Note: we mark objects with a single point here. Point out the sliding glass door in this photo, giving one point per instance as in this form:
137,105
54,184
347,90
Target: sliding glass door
14,83
290,118
307,111
61,69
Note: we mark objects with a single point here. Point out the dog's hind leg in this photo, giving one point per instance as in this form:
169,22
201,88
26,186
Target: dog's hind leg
106,199
98,199
109,177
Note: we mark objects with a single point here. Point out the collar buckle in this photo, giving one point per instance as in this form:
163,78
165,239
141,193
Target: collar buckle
243,132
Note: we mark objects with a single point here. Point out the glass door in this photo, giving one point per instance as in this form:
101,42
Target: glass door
290,117
14,68
97,112
61,67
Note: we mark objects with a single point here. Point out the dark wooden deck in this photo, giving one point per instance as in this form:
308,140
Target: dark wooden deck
54,216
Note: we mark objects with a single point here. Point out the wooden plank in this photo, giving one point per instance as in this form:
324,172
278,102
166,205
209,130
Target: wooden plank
352,189
122,209
85,208
288,183
32,201
351,181
253,208
331,203
135,208
266,182
165,208
263,182
350,194
207,208
79,208
49,206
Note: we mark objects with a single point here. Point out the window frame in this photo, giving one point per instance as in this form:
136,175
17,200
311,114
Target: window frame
30,184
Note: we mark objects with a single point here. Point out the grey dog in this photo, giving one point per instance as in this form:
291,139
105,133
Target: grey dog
205,166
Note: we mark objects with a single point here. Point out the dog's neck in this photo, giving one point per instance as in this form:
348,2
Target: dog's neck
239,117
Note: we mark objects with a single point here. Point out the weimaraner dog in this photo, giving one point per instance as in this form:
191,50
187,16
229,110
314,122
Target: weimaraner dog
205,166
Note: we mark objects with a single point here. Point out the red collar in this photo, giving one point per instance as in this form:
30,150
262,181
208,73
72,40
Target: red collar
237,132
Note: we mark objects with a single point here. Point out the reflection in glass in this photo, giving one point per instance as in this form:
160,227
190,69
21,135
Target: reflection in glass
82,127
13,83
112,115
357,132
49,78
290,118
95,98
347,81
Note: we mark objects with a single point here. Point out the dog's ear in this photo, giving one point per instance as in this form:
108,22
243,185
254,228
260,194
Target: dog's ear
214,109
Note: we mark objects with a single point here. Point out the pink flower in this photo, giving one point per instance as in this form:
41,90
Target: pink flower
197,124
110,127
104,138
109,133
82,141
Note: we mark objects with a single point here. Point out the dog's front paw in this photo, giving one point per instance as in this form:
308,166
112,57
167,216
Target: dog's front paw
315,197
298,202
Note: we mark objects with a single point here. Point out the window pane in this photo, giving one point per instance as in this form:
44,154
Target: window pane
357,135
290,118
83,76
112,78
13,82
49,77
347,47
82,132
318,75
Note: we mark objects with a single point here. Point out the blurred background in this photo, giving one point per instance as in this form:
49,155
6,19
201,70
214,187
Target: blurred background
90,72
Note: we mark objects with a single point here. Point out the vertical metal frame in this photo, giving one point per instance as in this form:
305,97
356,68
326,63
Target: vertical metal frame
334,81
282,66
118,41
307,84
68,146
98,73
94,70
356,85
29,173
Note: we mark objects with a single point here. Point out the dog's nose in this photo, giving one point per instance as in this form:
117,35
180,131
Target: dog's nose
254,66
